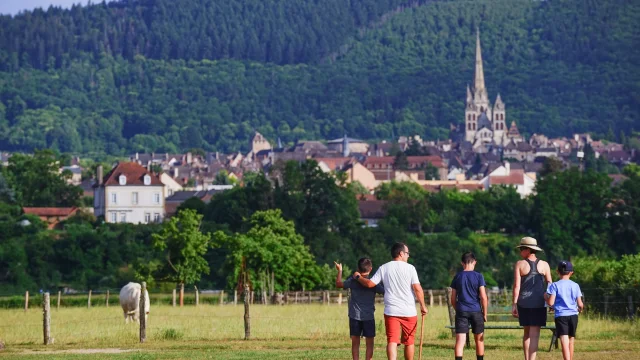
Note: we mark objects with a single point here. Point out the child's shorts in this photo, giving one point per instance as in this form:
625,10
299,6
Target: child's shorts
466,318
366,328
567,325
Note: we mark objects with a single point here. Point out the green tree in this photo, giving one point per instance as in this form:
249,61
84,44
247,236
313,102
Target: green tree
40,171
183,247
570,213
270,249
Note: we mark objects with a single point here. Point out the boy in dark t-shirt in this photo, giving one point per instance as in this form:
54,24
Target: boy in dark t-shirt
361,308
469,298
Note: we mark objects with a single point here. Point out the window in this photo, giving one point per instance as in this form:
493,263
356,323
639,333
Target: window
156,198
114,217
156,217
134,198
147,218
122,180
147,179
474,126
114,198
123,217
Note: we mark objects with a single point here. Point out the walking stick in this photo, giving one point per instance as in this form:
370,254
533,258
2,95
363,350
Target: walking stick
421,338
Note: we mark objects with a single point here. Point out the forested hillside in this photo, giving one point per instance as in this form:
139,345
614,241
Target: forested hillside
141,76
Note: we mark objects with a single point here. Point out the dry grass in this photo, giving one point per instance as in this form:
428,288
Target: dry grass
287,332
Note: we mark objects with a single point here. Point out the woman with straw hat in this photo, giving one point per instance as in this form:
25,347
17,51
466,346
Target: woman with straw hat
531,277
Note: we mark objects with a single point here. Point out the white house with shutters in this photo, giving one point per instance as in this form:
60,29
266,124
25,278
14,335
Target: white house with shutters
129,193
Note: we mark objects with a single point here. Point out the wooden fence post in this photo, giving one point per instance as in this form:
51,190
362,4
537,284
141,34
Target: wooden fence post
106,301
181,294
631,308
58,306
197,295
142,313
452,314
173,298
264,296
235,297
430,298
439,300
296,301
309,293
26,301
89,300
222,297
340,298
46,319
247,317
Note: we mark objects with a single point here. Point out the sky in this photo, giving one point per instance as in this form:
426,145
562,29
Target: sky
12,7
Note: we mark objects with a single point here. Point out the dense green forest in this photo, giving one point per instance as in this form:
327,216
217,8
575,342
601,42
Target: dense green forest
167,76
303,219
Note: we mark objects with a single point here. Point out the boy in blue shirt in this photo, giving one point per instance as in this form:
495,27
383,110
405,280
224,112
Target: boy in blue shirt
469,298
361,308
565,297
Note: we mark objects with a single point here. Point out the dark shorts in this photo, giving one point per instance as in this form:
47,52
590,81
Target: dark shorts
532,316
366,328
567,325
466,318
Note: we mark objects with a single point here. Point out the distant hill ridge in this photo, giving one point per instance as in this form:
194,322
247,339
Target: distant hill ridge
561,67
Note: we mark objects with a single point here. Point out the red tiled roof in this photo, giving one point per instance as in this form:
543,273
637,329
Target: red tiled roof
334,163
516,177
134,172
412,160
50,211
419,160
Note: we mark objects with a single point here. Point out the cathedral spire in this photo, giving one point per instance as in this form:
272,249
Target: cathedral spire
479,72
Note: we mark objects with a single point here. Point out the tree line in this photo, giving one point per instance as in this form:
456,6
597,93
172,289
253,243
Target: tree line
282,230
560,69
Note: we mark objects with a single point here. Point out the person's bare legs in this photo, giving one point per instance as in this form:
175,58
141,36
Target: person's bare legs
571,341
355,347
479,338
459,348
530,342
369,352
409,350
566,346
392,351
525,342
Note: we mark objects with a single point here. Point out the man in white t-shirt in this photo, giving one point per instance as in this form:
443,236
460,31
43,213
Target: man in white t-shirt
401,284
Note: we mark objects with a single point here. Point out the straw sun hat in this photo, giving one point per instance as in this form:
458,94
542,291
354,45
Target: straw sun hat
530,243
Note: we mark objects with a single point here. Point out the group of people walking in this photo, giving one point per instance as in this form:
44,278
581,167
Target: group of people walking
533,291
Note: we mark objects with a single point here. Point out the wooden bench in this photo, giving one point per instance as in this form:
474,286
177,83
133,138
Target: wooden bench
501,314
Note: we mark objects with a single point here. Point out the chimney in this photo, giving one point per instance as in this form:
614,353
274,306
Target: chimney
175,172
507,165
136,156
99,174
189,158
149,165
166,156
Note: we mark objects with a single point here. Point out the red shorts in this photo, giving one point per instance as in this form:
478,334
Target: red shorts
401,330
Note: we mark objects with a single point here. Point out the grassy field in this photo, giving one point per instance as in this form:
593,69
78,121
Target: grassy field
278,332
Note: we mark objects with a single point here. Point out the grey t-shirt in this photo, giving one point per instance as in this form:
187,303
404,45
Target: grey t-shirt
362,300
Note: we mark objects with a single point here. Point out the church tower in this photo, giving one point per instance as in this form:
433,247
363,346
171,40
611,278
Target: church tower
499,127
478,106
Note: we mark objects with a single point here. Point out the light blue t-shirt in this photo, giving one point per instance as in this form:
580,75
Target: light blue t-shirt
567,293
